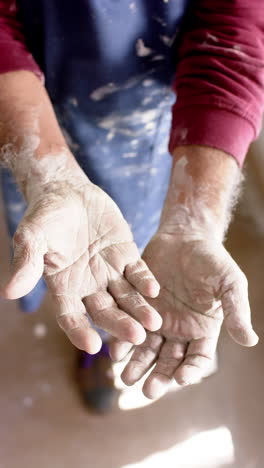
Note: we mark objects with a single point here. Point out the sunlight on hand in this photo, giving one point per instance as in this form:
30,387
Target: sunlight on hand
133,397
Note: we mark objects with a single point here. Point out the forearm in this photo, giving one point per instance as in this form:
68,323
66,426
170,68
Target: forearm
32,145
203,188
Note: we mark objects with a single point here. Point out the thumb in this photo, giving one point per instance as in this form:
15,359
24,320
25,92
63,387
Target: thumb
237,313
27,265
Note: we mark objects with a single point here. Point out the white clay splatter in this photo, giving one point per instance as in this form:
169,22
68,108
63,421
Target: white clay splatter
40,330
141,49
110,135
132,170
74,102
157,58
212,37
150,127
238,50
129,155
183,134
168,41
147,100
153,171
147,83
137,118
160,21
100,93
13,7
28,402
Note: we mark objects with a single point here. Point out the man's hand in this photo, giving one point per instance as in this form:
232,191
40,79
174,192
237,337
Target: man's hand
76,234
200,284
72,231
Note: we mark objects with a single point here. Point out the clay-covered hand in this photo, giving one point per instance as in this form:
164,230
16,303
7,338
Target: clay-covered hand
200,286
74,233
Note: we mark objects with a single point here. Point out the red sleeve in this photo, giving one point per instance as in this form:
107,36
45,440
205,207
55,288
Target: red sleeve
14,54
220,76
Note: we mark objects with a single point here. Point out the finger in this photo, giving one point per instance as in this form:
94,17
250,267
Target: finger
27,265
237,313
199,356
72,318
139,275
171,356
132,302
106,315
119,349
142,359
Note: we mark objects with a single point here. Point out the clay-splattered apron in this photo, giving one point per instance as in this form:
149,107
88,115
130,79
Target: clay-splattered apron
108,65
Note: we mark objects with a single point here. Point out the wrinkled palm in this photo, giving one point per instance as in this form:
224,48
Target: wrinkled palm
77,236
200,285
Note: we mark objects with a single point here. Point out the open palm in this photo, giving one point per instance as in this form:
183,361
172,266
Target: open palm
200,285
77,236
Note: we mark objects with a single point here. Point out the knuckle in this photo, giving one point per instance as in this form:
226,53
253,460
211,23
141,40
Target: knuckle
117,284
98,302
21,240
131,300
136,267
24,233
68,323
236,278
144,308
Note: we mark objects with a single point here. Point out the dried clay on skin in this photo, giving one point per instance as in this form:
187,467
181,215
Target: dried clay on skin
194,213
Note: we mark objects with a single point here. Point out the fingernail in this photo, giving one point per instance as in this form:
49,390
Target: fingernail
189,376
154,289
157,387
156,322
139,338
131,374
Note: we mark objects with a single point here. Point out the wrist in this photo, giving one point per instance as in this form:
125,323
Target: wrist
32,145
51,172
201,193
188,226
